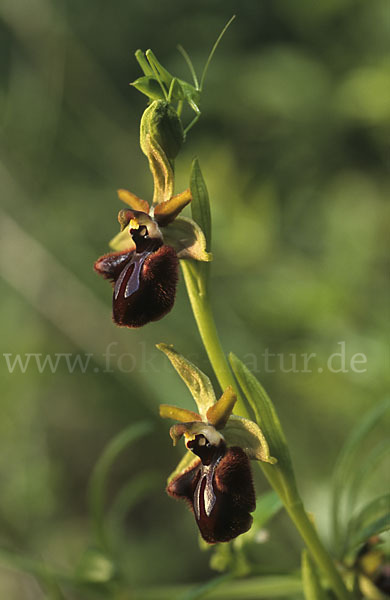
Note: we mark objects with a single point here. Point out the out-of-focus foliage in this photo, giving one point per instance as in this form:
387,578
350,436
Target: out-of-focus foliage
293,144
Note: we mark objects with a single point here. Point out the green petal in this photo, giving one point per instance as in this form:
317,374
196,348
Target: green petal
187,238
247,434
197,382
178,414
166,212
219,413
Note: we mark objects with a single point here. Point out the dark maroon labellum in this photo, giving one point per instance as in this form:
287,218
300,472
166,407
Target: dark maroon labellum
219,489
144,279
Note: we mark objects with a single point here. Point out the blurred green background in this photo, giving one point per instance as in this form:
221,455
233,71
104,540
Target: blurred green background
293,143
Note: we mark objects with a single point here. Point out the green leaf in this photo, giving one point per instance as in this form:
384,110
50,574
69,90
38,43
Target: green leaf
99,476
371,520
247,434
197,382
187,238
150,87
200,206
268,422
311,583
364,470
345,466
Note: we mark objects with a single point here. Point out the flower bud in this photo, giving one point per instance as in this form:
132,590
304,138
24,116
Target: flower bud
162,123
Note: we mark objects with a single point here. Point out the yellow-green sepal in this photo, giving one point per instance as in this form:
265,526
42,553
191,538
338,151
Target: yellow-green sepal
248,435
197,382
187,238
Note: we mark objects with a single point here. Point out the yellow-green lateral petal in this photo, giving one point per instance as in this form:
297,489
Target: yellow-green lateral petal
166,212
219,413
178,414
133,201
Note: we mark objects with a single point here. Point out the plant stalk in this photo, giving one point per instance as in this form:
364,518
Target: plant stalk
197,289
302,522
201,307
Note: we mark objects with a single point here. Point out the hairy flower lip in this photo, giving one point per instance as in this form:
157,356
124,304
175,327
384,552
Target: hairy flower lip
144,282
218,489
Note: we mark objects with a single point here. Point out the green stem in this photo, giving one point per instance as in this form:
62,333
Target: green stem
196,282
196,277
302,522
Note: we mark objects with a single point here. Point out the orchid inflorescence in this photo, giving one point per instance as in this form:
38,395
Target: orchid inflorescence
214,476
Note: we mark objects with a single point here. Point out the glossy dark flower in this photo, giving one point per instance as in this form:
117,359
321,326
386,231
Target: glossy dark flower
144,277
144,267
218,488
217,482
